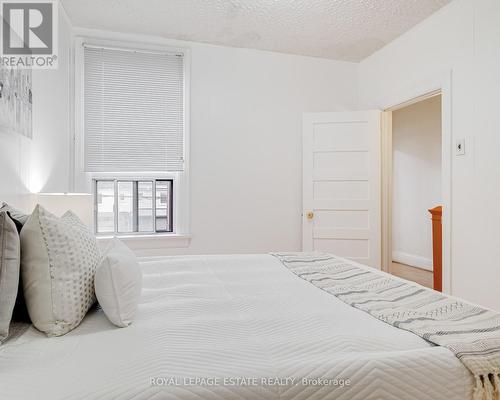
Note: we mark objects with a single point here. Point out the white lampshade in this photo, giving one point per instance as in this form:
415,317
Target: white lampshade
59,203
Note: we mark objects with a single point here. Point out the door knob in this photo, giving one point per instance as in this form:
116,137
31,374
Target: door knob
310,215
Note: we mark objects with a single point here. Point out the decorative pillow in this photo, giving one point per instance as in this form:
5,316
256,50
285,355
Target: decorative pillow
20,313
15,214
118,284
10,255
59,257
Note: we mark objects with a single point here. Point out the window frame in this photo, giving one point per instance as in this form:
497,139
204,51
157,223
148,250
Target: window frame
134,182
83,181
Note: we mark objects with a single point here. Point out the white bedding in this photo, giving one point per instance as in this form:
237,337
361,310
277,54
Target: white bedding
221,317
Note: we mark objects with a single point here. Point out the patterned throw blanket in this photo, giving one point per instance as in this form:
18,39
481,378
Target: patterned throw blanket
471,333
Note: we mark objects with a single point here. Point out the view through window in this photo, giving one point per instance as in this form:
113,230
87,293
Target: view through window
133,206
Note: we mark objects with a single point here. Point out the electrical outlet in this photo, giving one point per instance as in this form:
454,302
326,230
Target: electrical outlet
460,147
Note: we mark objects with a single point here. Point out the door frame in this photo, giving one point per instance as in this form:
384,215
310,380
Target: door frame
402,97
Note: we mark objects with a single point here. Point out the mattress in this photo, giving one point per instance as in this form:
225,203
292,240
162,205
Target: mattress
231,327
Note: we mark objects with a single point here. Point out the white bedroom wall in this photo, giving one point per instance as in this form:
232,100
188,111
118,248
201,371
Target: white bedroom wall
14,168
52,118
246,142
463,37
41,163
416,138
246,137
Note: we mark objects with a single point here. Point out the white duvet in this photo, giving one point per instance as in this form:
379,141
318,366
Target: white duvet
231,327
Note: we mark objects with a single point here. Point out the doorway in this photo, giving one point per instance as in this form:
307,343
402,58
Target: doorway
414,176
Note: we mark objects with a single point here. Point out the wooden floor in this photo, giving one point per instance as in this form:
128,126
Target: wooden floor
421,276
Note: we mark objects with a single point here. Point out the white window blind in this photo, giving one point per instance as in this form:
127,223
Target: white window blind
134,111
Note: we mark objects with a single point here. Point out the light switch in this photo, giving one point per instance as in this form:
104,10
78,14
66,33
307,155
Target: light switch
460,147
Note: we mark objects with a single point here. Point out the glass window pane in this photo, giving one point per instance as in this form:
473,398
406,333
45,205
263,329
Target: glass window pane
105,192
145,206
125,207
163,204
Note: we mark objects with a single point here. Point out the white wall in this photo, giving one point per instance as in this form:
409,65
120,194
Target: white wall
416,136
463,37
41,164
246,118
14,169
246,137
52,118
246,142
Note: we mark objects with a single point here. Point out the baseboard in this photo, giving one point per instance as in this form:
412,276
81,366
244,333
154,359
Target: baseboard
412,260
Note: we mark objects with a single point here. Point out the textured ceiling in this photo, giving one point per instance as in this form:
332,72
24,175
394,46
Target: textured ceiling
339,29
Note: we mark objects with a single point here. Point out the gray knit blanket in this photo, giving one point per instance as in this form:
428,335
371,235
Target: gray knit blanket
472,333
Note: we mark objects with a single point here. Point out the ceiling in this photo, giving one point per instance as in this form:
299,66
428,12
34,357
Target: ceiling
338,29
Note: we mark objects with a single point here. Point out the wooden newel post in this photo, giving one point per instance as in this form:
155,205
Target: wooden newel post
437,247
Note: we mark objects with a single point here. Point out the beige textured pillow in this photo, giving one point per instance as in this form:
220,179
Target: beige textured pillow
59,257
118,284
9,271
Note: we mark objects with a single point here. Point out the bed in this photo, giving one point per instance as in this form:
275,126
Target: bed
231,327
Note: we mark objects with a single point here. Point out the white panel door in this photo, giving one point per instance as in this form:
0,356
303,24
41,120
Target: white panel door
341,185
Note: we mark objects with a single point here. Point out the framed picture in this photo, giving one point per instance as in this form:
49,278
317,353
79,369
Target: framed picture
16,101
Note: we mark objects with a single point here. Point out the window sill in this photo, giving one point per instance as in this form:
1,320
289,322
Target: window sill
149,242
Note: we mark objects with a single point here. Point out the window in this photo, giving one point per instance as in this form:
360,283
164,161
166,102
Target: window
133,206
132,131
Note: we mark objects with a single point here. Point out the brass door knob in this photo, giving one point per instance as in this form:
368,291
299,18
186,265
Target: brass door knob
310,215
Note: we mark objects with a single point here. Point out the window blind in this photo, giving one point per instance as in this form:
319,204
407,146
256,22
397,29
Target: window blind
133,111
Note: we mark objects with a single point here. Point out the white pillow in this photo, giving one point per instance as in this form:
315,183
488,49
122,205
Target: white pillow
118,284
59,257
10,256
